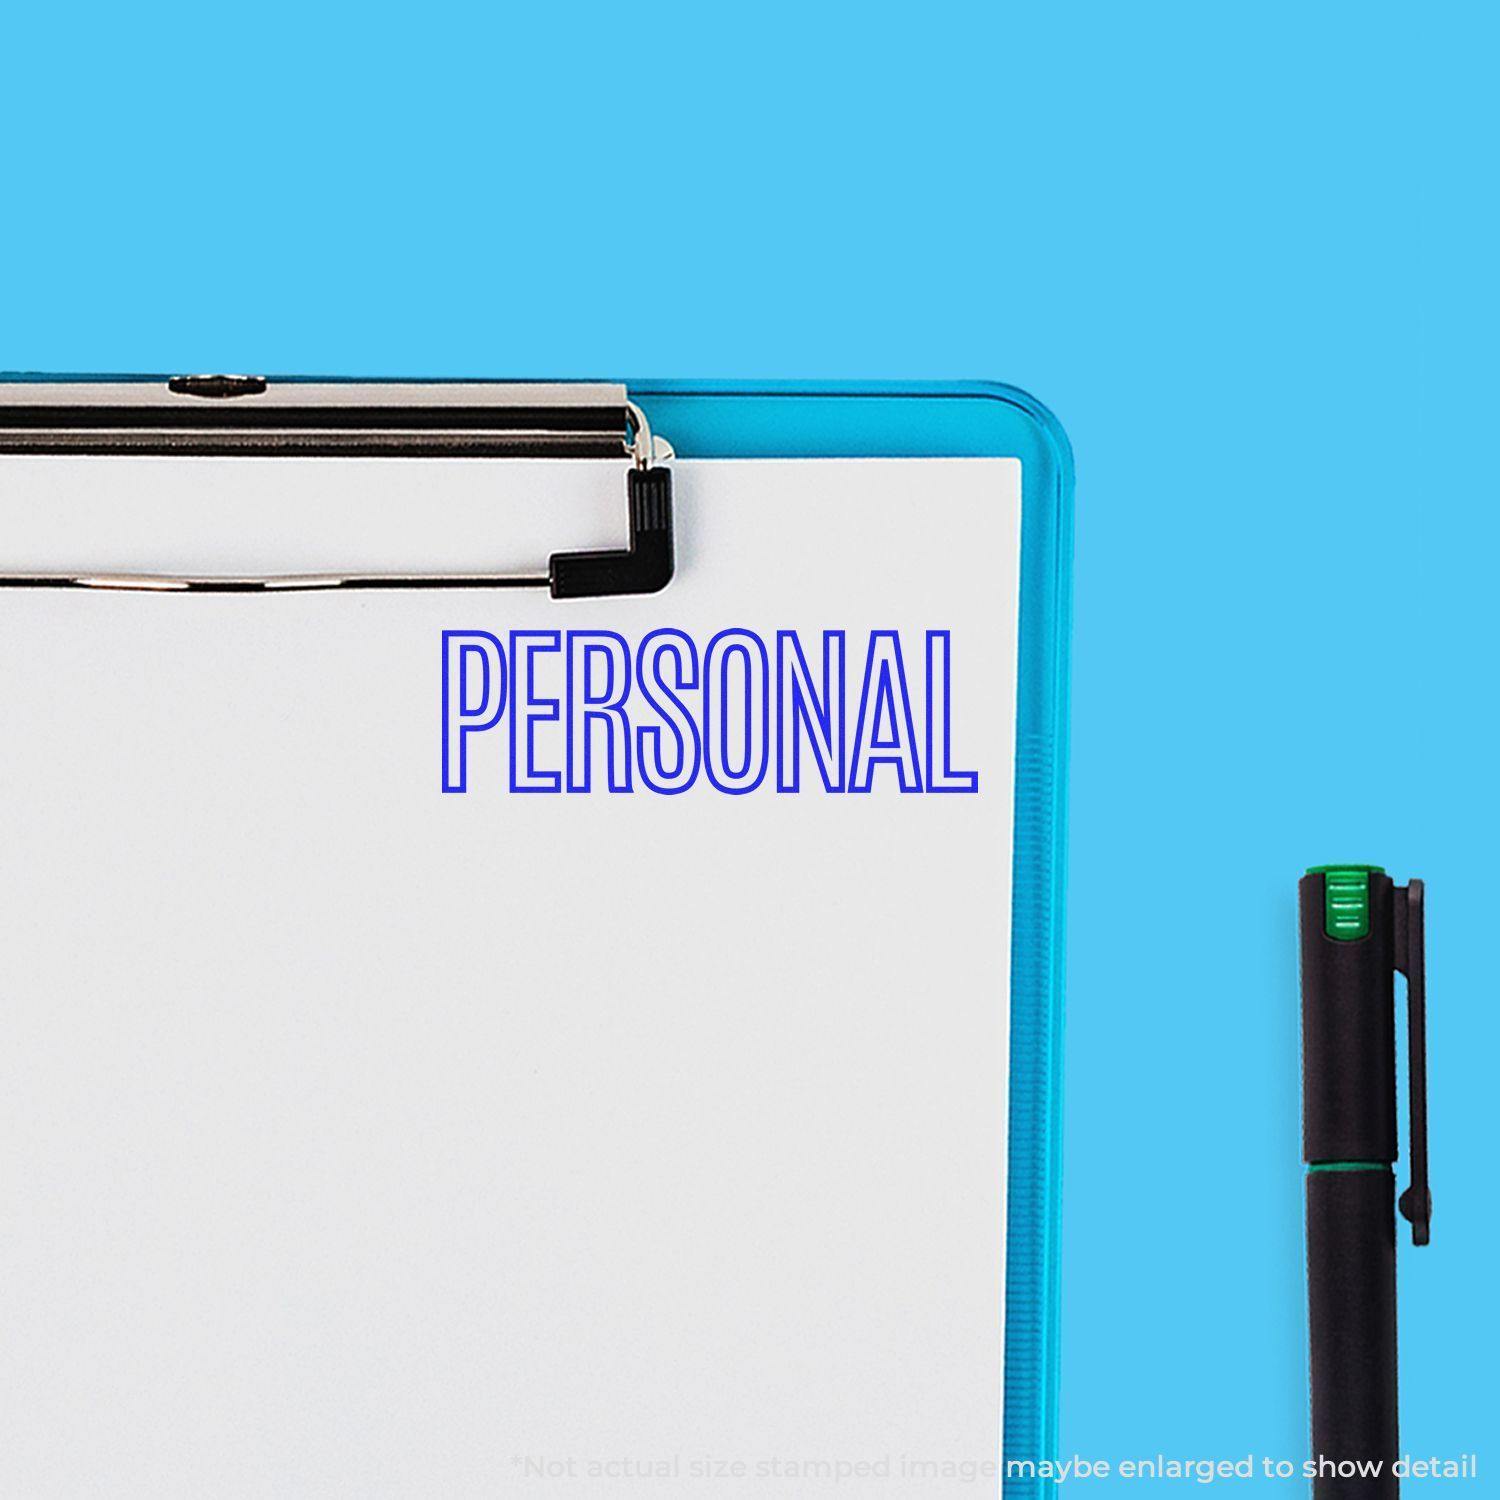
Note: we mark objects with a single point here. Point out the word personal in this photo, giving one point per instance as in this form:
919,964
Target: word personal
586,710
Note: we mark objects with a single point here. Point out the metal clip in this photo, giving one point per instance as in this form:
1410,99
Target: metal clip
223,415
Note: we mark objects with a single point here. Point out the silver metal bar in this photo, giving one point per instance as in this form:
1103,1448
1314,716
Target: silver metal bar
156,393
236,414
314,442
272,583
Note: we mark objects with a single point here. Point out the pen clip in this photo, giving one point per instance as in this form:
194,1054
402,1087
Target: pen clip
1411,960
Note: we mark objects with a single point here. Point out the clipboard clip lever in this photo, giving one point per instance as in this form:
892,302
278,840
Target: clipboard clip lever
646,565
246,415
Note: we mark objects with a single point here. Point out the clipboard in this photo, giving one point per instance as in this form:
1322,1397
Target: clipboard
698,677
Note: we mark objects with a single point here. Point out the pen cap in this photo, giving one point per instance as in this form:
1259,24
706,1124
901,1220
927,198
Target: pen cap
1348,1015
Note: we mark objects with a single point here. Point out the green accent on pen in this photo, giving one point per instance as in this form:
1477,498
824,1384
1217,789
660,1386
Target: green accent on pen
1351,1166
1346,899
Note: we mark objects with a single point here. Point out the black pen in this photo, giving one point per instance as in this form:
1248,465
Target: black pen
1358,930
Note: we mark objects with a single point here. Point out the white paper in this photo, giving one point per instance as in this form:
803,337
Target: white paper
362,1140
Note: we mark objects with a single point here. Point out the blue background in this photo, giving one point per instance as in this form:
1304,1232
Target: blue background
1244,252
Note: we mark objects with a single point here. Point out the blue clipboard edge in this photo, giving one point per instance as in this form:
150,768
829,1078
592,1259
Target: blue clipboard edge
711,419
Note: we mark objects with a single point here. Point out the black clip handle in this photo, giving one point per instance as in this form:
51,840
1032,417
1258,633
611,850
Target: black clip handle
1411,959
645,567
